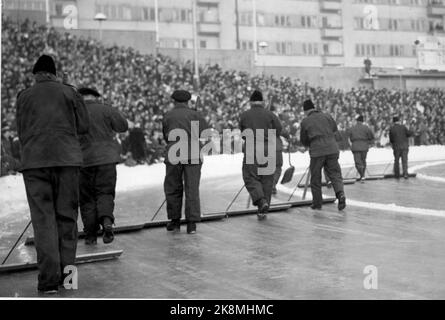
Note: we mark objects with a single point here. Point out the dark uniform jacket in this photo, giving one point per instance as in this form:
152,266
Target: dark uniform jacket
257,117
361,137
98,145
318,132
181,117
398,136
50,115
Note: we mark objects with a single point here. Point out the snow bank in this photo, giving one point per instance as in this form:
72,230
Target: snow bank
13,196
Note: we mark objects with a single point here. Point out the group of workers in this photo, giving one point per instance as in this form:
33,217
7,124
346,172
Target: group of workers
69,159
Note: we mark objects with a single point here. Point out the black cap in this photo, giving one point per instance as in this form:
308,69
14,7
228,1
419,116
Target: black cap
308,105
360,118
256,96
45,63
89,91
395,119
181,96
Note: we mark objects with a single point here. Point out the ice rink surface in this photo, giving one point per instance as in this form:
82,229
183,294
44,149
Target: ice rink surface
397,226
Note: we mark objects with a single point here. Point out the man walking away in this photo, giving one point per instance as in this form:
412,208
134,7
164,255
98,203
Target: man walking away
318,133
50,115
98,174
398,136
259,186
361,137
183,169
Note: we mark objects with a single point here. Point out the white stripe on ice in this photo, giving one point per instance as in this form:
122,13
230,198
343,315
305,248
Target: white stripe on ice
425,165
373,205
427,177
430,178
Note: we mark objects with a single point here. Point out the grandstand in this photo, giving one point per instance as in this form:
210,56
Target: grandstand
140,85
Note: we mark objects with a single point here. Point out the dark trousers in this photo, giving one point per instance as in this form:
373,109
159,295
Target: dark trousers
278,170
97,192
360,162
333,172
53,199
258,186
400,153
276,177
180,179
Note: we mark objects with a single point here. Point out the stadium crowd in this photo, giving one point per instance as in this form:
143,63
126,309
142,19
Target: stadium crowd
140,85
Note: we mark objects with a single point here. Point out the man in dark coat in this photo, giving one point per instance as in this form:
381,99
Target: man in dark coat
361,137
398,136
318,133
50,115
98,173
183,164
258,184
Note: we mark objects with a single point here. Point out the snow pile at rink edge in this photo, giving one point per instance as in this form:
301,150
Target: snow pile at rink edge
13,196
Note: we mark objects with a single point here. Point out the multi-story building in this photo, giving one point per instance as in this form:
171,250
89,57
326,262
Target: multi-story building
285,33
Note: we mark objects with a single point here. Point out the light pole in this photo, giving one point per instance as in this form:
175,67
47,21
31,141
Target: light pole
195,44
255,44
400,69
157,25
263,46
101,17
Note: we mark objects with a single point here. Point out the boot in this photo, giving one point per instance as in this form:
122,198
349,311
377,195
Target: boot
90,239
263,208
174,225
108,234
341,200
191,227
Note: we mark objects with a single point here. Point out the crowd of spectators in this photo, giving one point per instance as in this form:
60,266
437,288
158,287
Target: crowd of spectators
140,86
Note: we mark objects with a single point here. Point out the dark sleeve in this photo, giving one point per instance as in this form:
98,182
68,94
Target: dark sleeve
333,124
277,124
164,129
18,119
371,135
391,135
117,120
349,134
241,123
81,113
304,139
203,125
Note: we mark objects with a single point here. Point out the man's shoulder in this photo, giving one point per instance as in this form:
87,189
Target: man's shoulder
24,91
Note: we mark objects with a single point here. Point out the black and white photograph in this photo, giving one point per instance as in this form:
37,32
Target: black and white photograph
240,151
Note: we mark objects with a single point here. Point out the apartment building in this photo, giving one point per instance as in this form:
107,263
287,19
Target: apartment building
291,33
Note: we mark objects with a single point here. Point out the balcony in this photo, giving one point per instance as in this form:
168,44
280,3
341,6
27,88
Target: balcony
209,28
332,33
330,5
436,9
333,60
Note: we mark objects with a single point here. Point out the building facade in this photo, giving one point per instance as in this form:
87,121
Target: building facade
285,33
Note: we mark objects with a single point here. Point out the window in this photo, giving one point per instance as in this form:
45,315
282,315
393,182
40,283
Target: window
59,9
183,15
203,44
